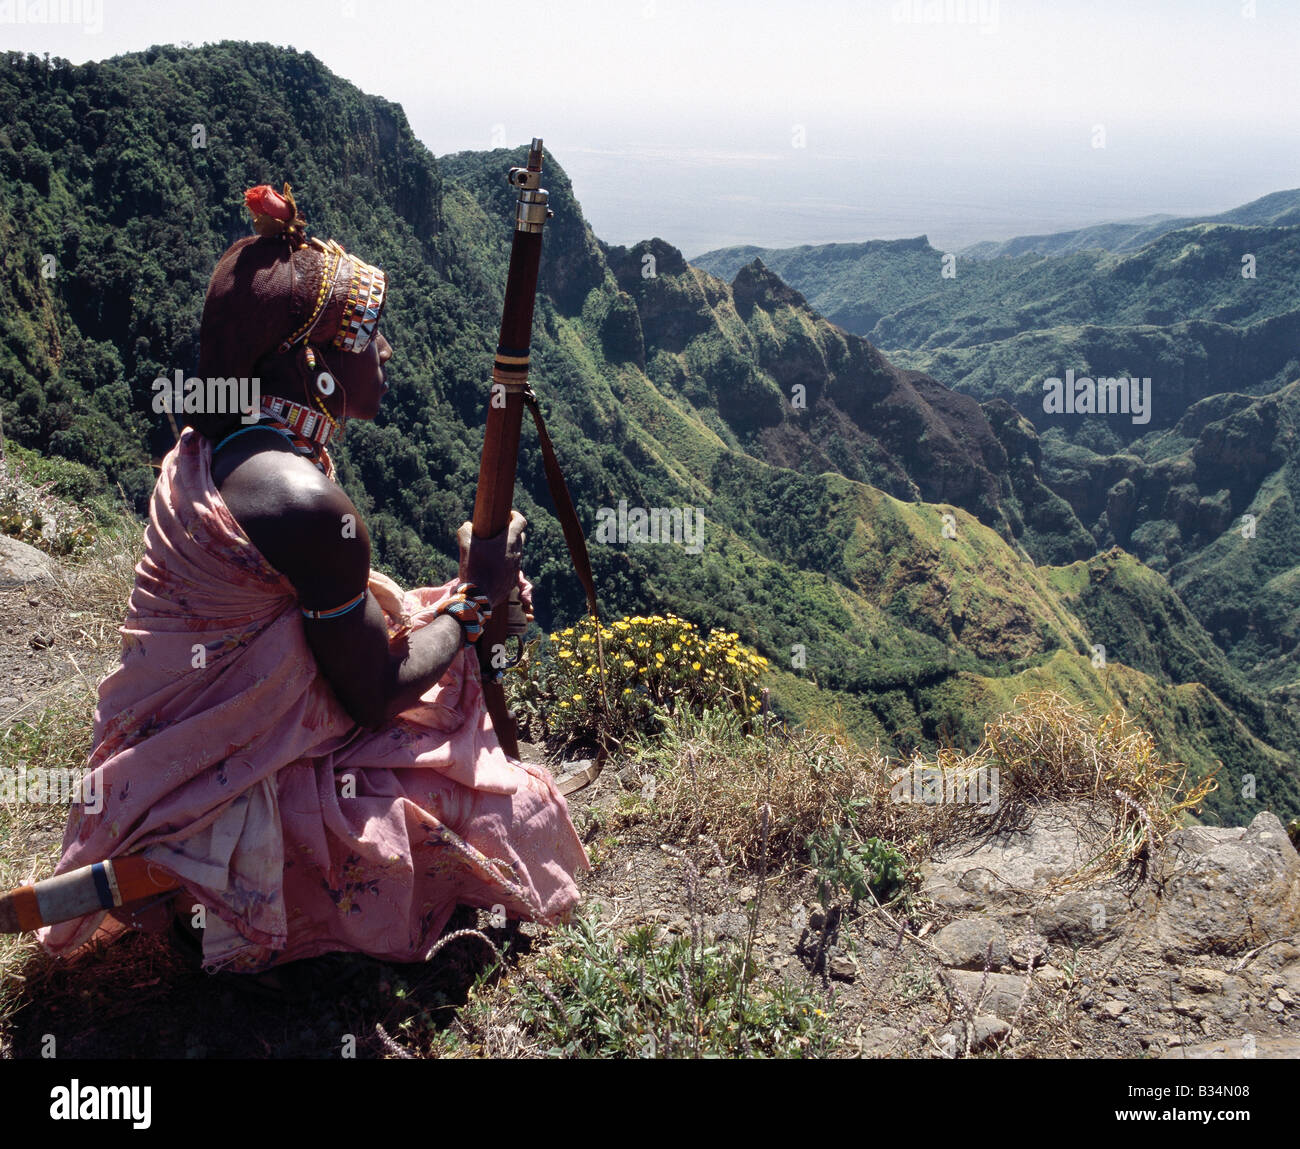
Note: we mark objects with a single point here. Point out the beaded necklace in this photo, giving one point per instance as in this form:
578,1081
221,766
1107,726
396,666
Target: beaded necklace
304,429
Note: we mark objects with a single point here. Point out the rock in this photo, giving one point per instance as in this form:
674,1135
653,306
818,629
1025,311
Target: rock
1028,951
1277,957
1049,976
1202,980
747,894
989,1031
879,1041
1228,889
21,563
1289,975
1246,1046
965,944
729,925
844,968
1006,871
816,916
995,993
1083,918
1113,1008
629,777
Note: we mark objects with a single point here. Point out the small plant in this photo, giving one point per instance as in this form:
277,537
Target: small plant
52,504
915,984
856,869
597,994
654,666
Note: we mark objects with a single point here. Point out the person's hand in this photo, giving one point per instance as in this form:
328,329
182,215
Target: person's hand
493,564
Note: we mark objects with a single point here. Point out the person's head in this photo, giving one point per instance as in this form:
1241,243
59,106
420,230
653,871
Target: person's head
299,315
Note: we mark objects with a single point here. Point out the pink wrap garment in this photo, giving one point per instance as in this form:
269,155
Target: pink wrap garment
225,757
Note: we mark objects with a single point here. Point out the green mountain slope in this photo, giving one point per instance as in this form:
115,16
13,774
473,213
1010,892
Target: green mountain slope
867,528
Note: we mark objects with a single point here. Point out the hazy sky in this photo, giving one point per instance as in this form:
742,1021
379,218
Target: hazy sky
718,122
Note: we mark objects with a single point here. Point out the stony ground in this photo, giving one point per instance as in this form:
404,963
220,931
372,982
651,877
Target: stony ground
995,954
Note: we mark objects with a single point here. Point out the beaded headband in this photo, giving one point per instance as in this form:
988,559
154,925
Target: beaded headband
361,314
275,213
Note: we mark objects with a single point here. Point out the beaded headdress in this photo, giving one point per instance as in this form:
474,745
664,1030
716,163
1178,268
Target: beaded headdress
349,297
279,290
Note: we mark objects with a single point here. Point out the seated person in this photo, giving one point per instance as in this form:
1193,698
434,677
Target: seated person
302,745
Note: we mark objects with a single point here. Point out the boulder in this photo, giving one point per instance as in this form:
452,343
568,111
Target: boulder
21,563
998,994
1227,889
1009,870
969,942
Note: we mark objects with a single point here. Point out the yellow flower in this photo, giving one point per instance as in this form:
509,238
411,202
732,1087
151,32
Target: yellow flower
566,653
629,664
695,666
563,705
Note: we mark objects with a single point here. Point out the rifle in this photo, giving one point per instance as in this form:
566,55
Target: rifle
510,393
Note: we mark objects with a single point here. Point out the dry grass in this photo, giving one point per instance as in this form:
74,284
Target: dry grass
1051,750
79,613
712,779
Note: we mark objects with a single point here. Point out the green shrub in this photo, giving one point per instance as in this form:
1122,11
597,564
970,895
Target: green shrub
857,869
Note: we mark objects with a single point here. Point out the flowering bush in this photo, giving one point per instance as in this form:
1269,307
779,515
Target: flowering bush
653,665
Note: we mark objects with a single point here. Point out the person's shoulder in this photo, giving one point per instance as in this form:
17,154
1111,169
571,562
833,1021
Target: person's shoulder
294,515
264,476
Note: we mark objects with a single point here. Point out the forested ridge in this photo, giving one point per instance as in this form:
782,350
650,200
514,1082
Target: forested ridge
899,533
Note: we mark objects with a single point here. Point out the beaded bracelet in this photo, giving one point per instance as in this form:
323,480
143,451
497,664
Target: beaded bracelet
469,608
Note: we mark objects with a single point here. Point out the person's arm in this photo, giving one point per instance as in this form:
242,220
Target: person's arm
315,537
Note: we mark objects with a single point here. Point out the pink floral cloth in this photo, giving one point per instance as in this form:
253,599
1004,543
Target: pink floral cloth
225,757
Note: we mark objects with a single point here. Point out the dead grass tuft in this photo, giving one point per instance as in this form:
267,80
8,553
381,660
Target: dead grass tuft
711,778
